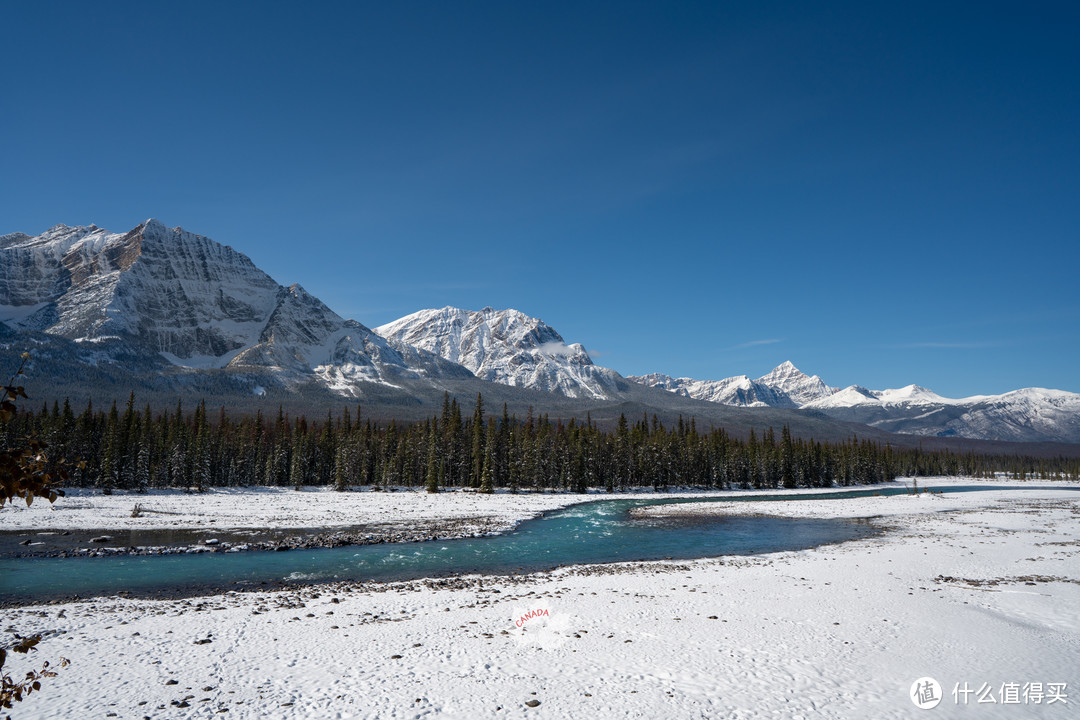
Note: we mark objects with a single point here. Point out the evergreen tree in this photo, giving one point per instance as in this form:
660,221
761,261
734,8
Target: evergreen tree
433,465
787,459
478,453
110,461
341,473
296,465
487,472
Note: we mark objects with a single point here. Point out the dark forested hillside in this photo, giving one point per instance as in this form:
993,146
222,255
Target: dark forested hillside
135,448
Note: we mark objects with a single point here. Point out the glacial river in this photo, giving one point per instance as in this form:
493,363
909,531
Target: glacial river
595,532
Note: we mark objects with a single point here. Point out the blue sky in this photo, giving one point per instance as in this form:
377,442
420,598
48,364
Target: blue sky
880,194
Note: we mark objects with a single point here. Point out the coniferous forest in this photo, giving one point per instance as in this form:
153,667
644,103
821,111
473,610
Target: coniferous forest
134,449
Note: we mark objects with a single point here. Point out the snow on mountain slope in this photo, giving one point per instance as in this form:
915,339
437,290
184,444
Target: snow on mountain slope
180,293
912,395
740,390
1029,415
196,302
507,347
850,396
856,395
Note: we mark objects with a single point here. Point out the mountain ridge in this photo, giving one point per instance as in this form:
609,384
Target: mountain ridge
169,311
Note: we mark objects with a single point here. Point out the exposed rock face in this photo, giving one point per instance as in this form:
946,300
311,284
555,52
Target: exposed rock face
195,302
181,294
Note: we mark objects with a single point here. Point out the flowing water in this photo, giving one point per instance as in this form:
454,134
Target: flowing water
595,532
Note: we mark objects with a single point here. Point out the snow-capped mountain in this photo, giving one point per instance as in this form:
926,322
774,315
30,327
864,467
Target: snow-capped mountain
195,302
739,391
507,347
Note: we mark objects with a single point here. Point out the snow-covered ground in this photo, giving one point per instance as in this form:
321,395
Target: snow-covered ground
280,507
979,588
277,507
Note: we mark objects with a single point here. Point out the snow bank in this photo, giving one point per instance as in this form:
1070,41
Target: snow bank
879,506
276,507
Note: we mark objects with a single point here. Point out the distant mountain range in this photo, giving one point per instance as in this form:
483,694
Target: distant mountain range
167,312
1028,415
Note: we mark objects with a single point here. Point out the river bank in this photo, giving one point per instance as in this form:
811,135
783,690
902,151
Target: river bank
159,522
102,542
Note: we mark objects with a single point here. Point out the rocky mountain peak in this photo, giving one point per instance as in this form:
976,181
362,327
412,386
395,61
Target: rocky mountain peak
193,301
507,347
797,385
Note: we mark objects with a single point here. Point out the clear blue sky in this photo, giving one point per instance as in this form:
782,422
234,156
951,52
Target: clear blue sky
881,193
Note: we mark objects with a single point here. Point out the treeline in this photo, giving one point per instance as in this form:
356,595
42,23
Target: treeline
136,449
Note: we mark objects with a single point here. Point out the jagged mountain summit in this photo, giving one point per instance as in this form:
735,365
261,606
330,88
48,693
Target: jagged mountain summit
507,347
797,385
739,391
196,303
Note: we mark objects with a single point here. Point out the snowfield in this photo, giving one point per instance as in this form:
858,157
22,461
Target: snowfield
979,591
